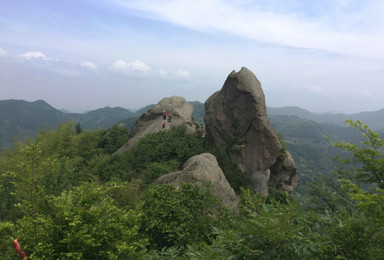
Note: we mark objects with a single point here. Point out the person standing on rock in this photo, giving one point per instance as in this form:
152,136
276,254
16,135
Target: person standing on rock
164,124
165,115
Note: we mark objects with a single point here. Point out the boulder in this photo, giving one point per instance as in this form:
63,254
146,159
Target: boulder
179,112
199,170
284,173
236,120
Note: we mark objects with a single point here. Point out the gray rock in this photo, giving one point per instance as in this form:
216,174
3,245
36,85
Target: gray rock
152,120
236,120
199,170
284,173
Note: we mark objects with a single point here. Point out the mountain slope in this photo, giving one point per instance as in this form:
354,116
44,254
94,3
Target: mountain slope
375,119
305,140
18,118
22,118
102,117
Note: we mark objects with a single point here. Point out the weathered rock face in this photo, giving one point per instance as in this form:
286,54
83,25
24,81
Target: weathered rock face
284,173
200,169
236,119
179,112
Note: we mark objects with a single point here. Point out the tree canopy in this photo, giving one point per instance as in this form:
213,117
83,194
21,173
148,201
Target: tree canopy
66,195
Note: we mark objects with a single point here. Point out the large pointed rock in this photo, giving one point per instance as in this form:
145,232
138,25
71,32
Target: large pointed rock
199,170
152,120
236,120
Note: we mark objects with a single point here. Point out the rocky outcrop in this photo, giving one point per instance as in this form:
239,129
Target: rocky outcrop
284,173
236,120
199,170
179,112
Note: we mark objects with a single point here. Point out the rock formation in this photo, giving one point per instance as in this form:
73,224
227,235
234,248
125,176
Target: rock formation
200,169
179,112
236,120
284,173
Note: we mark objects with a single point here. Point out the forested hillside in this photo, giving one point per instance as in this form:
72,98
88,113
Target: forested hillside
21,119
306,141
65,195
375,119
304,138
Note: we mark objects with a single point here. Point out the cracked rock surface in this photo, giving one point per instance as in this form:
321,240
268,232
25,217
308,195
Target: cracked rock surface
199,170
152,120
236,120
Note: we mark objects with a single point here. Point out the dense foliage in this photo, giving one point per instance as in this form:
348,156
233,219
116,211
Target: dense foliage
66,195
176,217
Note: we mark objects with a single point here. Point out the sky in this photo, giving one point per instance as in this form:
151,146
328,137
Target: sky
80,55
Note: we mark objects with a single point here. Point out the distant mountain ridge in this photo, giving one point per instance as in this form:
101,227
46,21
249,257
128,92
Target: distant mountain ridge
19,117
23,118
375,119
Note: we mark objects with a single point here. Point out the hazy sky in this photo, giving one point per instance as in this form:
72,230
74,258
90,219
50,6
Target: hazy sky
81,55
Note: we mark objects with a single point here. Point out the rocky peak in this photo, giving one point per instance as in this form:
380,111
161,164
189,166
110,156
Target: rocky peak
236,120
179,112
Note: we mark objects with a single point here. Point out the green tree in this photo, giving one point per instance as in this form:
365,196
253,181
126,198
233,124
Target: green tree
360,235
163,146
175,217
78,128
84,223
114,138
367,161
155,154
269,231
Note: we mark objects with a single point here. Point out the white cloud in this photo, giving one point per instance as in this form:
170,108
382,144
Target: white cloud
2,52
183,74
316,89
180,74
55,66
163,73
138,65
133,66
335,26
34,55
89,65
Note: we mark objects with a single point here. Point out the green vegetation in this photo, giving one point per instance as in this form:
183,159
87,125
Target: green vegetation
369,159
176,217
65,195
21,119
304,138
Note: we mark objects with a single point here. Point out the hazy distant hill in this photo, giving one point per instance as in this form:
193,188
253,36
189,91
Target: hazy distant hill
374,119
102,117
18,117
198,112
22,118
305,141
141,111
